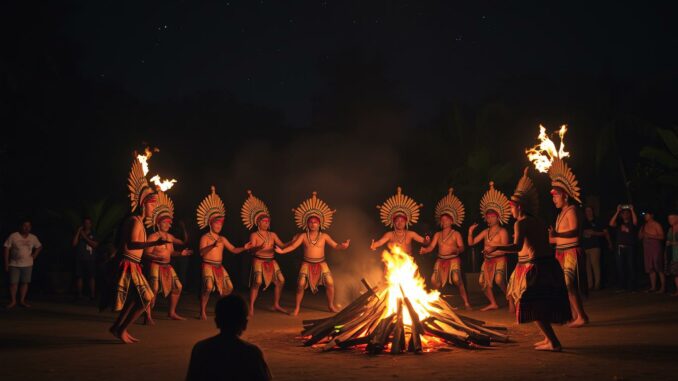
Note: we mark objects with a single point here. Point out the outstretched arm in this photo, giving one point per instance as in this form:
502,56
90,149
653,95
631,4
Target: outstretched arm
377,244
337,246
292,246
277,240
431,246
420,239
235,250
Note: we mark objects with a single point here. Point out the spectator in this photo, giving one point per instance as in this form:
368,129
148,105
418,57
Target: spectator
652,235
592,243
625,224
85,261
21,248
226,356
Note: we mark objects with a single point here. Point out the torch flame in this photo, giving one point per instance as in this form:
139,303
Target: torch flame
143,159
402,277
543,154
163,185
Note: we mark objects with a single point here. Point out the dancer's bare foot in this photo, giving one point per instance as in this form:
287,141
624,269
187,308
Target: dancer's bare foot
202,316
333,308
661,291
467,307
540,343
490,307
127,338
549,347
577,323
296,312
176,316
114,331
148,320
11,305
278,308
24,304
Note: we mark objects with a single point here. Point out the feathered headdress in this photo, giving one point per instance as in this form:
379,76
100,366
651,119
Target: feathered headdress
163,209
452,206
562,177
252,210
526,194
139,190
494,200
210,208
313,207
399,205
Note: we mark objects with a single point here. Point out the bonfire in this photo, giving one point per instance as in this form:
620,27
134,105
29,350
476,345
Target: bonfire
399,316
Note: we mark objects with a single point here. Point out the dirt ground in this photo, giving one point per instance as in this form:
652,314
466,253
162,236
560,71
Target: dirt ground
632,337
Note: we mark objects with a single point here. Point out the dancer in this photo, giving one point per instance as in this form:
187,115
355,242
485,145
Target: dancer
399,212
211,214
495,207
537,284
161,274
265,269
447,268
314,216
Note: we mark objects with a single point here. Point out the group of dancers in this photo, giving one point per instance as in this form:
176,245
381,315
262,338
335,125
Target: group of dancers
543,288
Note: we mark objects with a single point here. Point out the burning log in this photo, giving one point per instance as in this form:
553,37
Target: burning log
401,314
398,342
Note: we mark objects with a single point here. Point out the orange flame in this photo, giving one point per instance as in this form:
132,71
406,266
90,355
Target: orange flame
403,273
163,185
543,154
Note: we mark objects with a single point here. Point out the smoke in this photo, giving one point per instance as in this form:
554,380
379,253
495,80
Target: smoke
352,176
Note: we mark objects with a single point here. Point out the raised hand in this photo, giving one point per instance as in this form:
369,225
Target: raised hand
472,227
344,245
186,252
372,246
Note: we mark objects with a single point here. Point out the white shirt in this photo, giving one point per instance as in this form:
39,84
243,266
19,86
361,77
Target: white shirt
20,249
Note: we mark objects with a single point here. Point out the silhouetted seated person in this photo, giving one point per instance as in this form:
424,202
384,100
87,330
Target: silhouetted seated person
226,356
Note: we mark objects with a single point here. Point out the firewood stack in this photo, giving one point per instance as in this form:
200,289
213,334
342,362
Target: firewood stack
364,322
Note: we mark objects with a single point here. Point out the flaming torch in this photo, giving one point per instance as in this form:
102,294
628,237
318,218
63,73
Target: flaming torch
162,185
543,154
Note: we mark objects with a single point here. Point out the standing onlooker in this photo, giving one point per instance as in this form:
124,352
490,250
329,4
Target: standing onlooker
625,241
672,245
652,235
21,248
85,260
594,232
226,356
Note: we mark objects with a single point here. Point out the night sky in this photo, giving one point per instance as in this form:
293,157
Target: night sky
347,98
271,53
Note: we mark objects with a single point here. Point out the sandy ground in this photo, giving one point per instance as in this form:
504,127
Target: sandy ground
632,337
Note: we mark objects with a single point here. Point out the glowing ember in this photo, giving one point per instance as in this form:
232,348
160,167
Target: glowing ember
402,274
543,154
